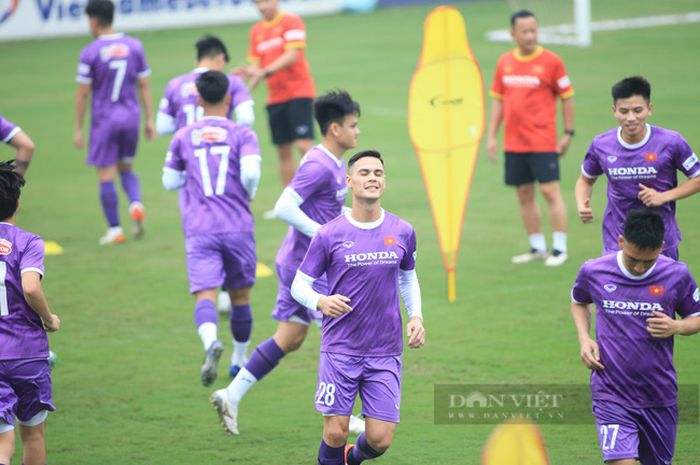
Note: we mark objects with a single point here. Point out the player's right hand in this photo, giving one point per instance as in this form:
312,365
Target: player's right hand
52,324
492,148
585,213
78,138
334,305
590,355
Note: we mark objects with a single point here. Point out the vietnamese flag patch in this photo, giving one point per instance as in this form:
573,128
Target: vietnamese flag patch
656,291
651,156
389,240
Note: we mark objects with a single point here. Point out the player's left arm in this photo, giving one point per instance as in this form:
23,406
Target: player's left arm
250,163
25,150
81,97
174,175
684,160
687,306
564,89
147,104
410,294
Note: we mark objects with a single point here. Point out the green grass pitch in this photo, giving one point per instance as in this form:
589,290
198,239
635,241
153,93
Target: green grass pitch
127,383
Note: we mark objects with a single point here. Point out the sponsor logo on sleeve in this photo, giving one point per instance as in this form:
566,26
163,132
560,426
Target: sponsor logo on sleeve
83,68
564,82
696,295
5,247
656,291
690,162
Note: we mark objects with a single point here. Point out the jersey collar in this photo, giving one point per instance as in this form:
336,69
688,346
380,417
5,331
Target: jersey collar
112,36
274,21
520,57
361,225
336,160
638,144
621,265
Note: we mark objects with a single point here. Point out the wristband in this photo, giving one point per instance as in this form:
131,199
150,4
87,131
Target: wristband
267,73
570,132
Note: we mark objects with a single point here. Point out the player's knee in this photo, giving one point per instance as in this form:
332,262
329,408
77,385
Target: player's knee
380,442
294,342
335,435
33,429
240,296
7,442
551,192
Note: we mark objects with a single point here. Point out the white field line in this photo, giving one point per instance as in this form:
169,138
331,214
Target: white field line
563,33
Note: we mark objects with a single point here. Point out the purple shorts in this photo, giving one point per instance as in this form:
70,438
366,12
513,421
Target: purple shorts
112,142
221,259
646,434
25,389
376,379
286,308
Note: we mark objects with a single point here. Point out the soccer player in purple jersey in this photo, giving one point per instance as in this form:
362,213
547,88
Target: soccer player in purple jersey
640,162
315,196
178,107
15,137
25,318
368,256
216,163
637,293
112,67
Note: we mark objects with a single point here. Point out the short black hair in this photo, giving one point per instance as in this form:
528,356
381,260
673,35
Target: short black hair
212,86
209,47
521,14
635,85
102,10
11,183
645,229
333,107
364,154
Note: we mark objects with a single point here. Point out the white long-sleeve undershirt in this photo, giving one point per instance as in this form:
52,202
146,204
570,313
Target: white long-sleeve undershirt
288,209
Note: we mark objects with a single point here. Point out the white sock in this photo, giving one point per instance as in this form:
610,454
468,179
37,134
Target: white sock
207,332
240,353
240,385
559,241
537,242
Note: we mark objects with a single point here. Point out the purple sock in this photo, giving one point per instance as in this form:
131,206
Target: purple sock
362,451
264,358
110,202
241,322
204,312
131,185
328,455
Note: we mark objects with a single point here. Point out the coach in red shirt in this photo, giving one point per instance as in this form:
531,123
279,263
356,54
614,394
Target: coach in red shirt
526,85
277,55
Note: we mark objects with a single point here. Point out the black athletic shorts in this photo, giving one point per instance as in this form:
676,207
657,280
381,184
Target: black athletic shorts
526,168
292,120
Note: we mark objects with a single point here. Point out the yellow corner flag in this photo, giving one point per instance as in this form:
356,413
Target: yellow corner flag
515,443
446,123
52,248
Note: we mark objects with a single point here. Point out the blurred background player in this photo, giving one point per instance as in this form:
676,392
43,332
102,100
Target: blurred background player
640,162
368,256
217,163
637,294
25,317
277,55
112,67
15,137
315,196
525,87
178,107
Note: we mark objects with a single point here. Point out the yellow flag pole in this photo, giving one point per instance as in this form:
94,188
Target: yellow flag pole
451,287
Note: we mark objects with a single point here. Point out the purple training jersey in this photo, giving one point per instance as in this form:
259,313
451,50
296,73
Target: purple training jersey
22,334
180,98
362,261
112,64
320,182
639,369
7,130
209,152
652,162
